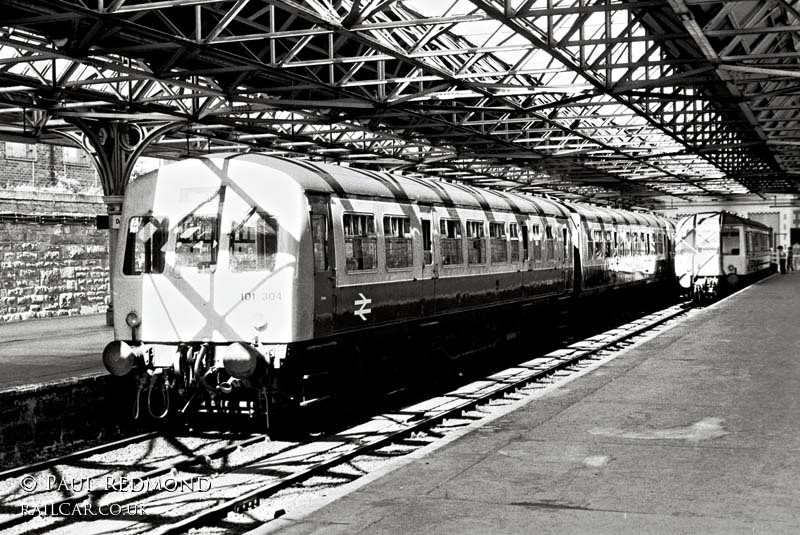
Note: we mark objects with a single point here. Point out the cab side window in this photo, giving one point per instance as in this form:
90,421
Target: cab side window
144,247
319,237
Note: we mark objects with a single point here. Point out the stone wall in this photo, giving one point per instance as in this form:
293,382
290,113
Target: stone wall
53,260
50,419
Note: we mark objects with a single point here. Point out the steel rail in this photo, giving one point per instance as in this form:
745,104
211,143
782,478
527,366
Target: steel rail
155,472
88,452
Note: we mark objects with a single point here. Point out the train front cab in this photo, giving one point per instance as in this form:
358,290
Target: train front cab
718,252
205,284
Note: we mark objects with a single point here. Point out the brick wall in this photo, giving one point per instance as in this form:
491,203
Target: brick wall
53,261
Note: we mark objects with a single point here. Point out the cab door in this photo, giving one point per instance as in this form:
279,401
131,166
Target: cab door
566,244
430,261
323,257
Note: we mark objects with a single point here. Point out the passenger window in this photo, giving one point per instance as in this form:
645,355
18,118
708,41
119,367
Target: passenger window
196,243
477,242
597,236
450,231
319,236
427,242
144,247
360,242
609,243
497,235
513,234
550,247
397,236
253,242
730,242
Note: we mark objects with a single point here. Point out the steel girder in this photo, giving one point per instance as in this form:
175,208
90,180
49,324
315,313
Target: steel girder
580,98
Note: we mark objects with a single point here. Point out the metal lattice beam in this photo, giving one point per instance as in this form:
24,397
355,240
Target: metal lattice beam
577,98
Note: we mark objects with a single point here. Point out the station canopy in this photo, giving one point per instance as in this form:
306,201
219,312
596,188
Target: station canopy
607,100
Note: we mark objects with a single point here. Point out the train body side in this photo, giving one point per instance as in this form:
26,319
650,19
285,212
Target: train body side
619,249
458,267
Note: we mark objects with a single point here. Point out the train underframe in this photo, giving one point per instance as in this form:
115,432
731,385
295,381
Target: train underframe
268,387
706,290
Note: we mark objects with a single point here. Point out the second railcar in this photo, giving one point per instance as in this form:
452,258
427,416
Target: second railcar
717,252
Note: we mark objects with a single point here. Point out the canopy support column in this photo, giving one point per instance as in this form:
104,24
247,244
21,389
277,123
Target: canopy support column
115,146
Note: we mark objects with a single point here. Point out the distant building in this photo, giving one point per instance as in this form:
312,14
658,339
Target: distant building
780,212
42,167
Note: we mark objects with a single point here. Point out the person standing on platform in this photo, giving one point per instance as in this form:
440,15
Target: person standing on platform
796,255
781,260
789,259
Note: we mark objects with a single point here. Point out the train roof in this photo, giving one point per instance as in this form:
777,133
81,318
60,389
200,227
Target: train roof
611,215
729,218
349,181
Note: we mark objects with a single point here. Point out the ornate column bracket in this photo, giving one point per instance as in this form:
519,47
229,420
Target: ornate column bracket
114,147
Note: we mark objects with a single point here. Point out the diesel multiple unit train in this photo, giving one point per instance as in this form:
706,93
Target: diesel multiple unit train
716,252
249,283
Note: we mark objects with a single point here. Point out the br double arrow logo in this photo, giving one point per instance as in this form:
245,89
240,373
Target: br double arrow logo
363,303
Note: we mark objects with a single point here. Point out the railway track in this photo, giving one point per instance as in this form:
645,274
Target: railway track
239,485
75,456
394,427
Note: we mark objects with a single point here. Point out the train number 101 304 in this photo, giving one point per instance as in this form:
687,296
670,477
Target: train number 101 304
261,296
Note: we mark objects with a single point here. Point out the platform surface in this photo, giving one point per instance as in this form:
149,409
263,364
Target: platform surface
694,431
47,350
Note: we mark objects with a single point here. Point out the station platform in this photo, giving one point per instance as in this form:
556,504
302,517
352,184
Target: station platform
694,431
48,350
